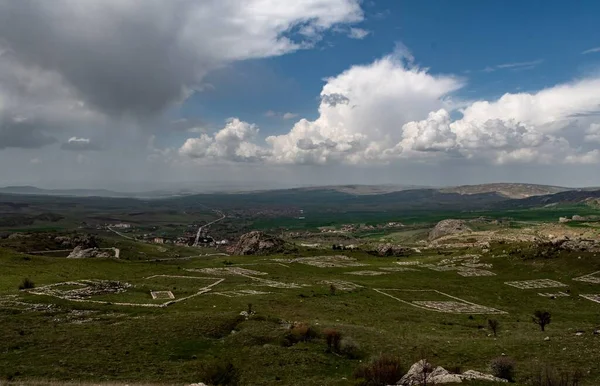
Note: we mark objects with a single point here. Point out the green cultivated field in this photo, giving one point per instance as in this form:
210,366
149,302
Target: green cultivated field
181,343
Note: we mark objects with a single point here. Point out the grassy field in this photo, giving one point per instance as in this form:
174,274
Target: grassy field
185,342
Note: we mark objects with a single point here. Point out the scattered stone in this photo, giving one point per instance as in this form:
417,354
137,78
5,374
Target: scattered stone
448,227
472,375
590,278
547,338
592,297
367,273
238,293
390,250
538,283
341,285
398,269
472,272
408,262
336,261
554,295
578,333
227,271
84,289
455,307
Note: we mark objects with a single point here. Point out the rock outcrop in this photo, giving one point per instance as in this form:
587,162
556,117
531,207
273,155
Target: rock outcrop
83,253
423,373
448,227
83,241
258,243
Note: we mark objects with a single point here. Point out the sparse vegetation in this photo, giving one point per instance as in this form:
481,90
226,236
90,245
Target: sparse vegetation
550,376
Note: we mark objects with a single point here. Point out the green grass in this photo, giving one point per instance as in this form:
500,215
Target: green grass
170,345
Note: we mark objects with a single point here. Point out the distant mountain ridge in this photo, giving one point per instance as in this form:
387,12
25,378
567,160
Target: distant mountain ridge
510,190
502,190
32,190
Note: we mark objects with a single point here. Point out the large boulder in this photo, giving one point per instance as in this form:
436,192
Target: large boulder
448,227
423,373
258,243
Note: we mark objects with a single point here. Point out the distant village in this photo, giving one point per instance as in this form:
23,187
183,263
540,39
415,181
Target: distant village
187,239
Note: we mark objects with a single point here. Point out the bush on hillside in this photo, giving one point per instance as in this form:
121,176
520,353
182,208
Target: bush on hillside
26,284
333,339
219,373
349,348
503,367
380,371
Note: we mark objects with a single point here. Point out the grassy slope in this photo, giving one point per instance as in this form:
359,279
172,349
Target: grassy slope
170,345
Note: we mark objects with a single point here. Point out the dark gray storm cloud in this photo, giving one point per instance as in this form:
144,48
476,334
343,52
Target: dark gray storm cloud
138,56
116,57
24,135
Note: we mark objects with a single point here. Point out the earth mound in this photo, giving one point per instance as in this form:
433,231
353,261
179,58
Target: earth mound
258,243
448,227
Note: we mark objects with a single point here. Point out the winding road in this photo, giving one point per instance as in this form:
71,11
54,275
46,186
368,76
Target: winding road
209,224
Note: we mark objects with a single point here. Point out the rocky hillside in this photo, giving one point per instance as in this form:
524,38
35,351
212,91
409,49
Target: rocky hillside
258,243
448,227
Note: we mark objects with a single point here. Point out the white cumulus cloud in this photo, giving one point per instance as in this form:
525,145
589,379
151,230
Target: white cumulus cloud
232,143
393,111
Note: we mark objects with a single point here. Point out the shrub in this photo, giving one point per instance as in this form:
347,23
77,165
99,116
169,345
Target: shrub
542,318
349,348
333,339
503,367
494,325
332,289
380,371
300,332
304,332
26,284
220,373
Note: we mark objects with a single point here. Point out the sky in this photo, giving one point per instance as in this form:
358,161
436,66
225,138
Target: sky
136,95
